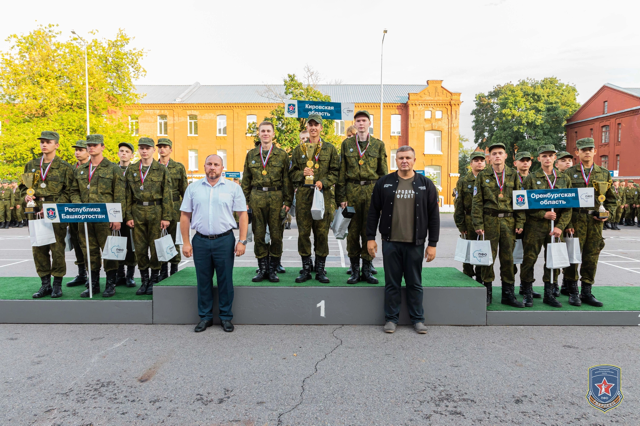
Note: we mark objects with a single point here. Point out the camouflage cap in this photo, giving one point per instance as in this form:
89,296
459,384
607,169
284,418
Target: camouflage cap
362,112
315,117
564,154
629,180
477,154
49,135
95,140
80,144
546,148
165,141
126,144
145,141
585,143
521,155
497,145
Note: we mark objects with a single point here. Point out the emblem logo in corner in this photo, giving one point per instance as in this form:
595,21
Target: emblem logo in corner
51,214
520,200
605,387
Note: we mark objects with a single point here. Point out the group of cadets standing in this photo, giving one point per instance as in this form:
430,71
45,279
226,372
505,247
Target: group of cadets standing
11,215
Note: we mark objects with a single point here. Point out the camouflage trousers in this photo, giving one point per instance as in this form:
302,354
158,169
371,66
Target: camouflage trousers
536,235
304,200
98,233
5,211
467,268
630,213
173,228
358,197
267,210
127,232
49,259
17,214
74,230
501,232
589,231
618,215
146,230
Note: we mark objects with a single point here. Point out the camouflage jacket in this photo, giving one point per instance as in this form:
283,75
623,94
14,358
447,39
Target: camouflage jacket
179,182
620,195
106,186
374,167
463,199
485,196
328,160
538,180
59,181
631,194
157,187
599,174
6,195
277,173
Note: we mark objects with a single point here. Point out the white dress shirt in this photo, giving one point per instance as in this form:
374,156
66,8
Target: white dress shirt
212,207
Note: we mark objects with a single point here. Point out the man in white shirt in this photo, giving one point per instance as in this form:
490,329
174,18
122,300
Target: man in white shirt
207,207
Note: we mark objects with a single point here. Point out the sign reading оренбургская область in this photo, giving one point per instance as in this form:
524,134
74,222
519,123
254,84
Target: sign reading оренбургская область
572,198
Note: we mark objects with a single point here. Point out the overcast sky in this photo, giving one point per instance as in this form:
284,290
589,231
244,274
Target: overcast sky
472,45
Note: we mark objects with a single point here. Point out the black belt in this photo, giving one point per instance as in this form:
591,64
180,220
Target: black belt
498,214
149,203
176,198
587,211
308,185
362,182
213,237
267,189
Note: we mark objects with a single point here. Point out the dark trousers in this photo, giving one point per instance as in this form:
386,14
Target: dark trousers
209,257
402,259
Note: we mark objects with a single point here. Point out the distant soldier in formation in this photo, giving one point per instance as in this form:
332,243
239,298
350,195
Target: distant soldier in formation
620,199
7,200
18,215
633,200
82,157
125,154
564,161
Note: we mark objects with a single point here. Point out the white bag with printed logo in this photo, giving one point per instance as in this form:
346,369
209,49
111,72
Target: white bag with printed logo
480,252
518,253
267,236
68,245
573,250
317,208
340,224
463,250
115,248
165,248
41,233
557,256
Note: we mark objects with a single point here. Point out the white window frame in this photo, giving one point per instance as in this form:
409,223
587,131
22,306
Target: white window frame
438,114
606,129
396,124
193,160
434,147
192,125
223,154
251,118
338,126
134,125
435,170
221,130
393,165
428,114
163,125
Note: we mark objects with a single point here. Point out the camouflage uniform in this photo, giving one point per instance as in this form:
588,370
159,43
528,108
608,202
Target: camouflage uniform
179,183
620,201
355,186
17,214
632,197
462,217
130,260
7,201
266,195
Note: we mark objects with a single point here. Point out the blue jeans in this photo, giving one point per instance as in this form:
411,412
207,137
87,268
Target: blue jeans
209,257
402,259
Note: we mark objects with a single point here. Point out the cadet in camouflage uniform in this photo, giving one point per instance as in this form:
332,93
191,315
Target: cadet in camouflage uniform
179,183
363,160
622,189
149,210
493,217
632,200
267,188
324,166
637,203
98,181
52,184
75,229
620,199
537,228
7,200
588,228
462,208
18,217
125,153
564,161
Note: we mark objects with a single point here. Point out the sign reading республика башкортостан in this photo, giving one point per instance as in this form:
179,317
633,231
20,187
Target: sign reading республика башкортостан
571,198
90,212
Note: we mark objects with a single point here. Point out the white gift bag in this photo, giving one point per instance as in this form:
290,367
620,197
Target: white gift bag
480,252
267,236
115,248
250,233
317,208
41,233
165,248
573,250
292,210
179,241
340,224
518,253
557,256
463,253
68,245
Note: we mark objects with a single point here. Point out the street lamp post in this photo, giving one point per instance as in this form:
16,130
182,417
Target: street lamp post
384,32
86,77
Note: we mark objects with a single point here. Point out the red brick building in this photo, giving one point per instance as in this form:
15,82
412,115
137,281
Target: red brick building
612,118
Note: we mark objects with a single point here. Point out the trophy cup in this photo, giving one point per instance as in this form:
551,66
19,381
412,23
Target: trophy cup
311,151
28,181
601,189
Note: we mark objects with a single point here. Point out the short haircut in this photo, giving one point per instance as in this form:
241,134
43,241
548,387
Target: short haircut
211,155
267,123
351,130
404,148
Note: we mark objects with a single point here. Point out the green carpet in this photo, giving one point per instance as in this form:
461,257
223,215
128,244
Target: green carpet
613,298
431,277
21,288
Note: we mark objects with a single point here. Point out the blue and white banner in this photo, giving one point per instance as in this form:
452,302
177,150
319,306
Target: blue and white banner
73,213
572,198
328,110
233,175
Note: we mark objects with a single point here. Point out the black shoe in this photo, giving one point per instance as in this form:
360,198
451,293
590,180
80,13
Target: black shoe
202,325
263,265
526,289
489,287
154,279
606,226
549,298
555,290
366,273
305,272
20,224
130,282
2,225
6,225
45,288
25,222
164,272
564,290
227,326
81,278
57,288
173,270
321,274
280,269
349,270
144,279
374,271
110,289
273,265
508,296
95,284
355,270
12,224
121,278
534,294
587,297
615,227
574,297
313,267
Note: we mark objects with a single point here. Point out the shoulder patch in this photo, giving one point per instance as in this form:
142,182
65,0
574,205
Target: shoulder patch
475,190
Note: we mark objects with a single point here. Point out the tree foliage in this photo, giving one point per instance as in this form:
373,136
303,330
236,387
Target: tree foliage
524,116
464,160
42,87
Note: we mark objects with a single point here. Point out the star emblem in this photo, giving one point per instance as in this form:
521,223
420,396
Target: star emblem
604,387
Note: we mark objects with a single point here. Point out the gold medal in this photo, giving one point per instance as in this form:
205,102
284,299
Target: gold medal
361,162
500,195
309,163
317,166
601,198
264,172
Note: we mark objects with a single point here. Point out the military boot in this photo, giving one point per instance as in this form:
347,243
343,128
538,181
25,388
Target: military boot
374,271
121,278
263,265
355,270
174,269
615,227
311,266
81,278
555,290
587,297
154,279
606,226
110,289
57,288
6,225
305,272
12,224
20,224
130,282
534,294
564,290
273,265
366,272
549,298
95,284
2,225
574,297
526,289
508,296
349,270
489,287
144,279
163,274
321,274
280,269
45,288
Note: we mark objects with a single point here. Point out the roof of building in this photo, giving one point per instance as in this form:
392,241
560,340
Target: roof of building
597,117
238,94
634,91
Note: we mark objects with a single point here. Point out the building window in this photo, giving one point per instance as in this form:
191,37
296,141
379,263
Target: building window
193,159
223,154
606,107
427,114
222,125
133,125
591,130
618,162
435,171
392,160
193,125
604,161
251,118
339,127
371,126
438,114
605,134
396,124
433,142
619,132
162,125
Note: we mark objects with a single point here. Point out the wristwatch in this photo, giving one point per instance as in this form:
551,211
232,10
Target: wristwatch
243,242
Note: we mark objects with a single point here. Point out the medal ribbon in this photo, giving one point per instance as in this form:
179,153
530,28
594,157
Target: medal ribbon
46,172
125,171
520,178
498,180
92,170
318,151
142,177
365,148
585,177
555,179
264,161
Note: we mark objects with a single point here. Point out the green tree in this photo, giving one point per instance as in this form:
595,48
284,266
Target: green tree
524,116
42,87
463,157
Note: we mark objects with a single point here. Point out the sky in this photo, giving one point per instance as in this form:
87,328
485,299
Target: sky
473,45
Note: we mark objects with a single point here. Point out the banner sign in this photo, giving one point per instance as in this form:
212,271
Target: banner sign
232,175
572,198
328,110
90,212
